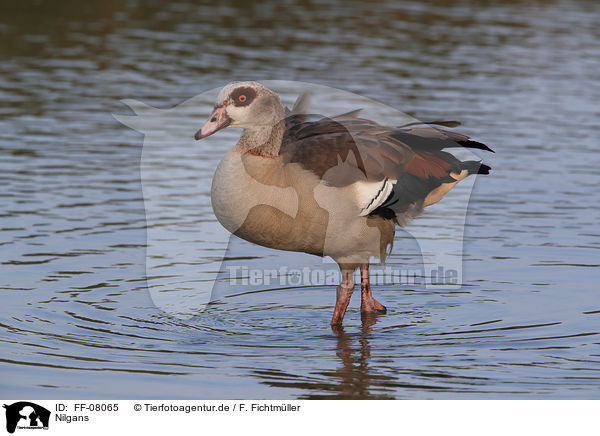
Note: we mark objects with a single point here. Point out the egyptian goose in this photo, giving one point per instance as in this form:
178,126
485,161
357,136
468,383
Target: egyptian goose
334,187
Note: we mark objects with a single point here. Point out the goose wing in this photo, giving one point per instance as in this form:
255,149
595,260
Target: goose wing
392,168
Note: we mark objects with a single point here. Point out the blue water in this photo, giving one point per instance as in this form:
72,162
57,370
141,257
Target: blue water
77,318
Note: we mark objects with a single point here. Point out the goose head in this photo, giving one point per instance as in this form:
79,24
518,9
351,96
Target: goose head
248,105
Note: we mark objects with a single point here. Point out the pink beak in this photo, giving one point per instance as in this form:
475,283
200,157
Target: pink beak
216,121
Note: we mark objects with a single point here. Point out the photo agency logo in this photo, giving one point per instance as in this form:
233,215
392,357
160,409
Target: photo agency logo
25,415
204,200
379,275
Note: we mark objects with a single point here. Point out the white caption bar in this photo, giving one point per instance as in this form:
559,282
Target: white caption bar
266,417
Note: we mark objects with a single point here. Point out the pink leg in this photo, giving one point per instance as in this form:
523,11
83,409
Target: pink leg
344,292
368,304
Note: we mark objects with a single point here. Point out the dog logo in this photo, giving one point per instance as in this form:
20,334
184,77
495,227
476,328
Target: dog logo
26,415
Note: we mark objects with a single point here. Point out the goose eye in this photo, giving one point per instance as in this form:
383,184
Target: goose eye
242,98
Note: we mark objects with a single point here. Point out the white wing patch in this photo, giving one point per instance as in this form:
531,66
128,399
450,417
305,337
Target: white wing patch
371,195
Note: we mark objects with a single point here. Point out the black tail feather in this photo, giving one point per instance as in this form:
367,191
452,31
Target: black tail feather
475,167
475,144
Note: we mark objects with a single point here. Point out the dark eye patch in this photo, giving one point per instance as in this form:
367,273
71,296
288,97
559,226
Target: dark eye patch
243,96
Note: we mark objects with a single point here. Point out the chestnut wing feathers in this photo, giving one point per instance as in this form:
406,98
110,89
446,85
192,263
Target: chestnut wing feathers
404,163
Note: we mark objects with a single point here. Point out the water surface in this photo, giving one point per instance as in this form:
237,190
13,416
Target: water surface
77,318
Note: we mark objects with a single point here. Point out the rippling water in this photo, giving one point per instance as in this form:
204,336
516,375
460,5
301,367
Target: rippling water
77,318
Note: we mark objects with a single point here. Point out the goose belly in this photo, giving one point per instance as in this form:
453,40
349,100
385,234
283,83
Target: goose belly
236,194
302,215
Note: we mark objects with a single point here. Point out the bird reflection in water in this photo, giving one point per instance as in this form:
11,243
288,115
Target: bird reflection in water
354,379
357,380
